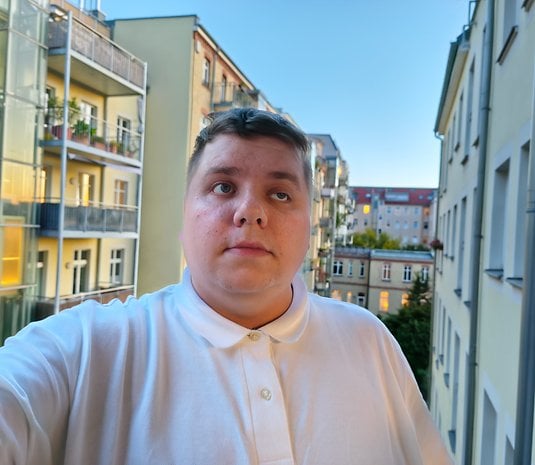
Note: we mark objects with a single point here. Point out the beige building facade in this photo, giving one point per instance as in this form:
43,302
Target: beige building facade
378,279
482,358
89,182
189,77
406,214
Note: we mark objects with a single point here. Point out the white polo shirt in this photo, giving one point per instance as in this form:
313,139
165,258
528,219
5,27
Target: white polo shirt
166,380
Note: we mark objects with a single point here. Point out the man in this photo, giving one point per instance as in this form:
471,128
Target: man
235,365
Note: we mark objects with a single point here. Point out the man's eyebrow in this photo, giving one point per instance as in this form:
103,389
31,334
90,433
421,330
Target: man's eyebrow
285,175
228,170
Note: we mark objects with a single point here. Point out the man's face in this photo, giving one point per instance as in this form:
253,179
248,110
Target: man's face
246,218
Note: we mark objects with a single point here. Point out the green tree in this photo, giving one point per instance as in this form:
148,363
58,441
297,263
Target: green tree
411,327
370,240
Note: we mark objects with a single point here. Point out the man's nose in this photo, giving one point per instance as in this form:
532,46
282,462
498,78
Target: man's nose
250,211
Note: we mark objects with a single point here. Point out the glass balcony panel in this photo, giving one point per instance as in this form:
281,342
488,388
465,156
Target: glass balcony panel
96,219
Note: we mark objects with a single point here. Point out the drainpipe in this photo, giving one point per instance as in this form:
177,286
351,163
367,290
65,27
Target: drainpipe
436,311
526,369
475,266
63,176
142,118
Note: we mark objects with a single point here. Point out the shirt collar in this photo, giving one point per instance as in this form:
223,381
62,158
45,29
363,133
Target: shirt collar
223,333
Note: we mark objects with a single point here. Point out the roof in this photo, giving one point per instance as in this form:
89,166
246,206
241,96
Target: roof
394,195
402,255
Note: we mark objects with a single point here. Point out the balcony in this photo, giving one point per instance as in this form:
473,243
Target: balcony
45,306
97,62
326,222
227,96
93,137
88,221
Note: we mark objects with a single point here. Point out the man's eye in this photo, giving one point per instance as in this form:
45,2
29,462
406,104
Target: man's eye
282,196
222,188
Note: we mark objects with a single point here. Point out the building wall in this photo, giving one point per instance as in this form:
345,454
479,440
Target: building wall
170,120
402,213
361,272
503,240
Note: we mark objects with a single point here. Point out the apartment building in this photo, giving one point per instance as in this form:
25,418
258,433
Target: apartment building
406,214
482,371
331,221
22,60
190,76
71,161
378,279
89,182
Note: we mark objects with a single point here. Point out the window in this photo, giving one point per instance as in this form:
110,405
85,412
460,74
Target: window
350,269
404,299
206,71
362,270
522,195
88,114
120,192
386,272
338,268
425,273
499,204
124,128
460,122
469,111
407,273
383,301
12,246
415,225
41,266
116,266
223,88
349,297
80,264
86,189
488,434
43,189
361,299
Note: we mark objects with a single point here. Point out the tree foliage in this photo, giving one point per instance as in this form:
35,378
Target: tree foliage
369,239
411,327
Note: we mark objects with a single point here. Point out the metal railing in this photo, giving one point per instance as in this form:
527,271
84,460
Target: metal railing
99,49
88,218
91,131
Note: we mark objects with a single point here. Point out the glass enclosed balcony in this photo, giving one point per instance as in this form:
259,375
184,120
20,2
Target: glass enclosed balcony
88,221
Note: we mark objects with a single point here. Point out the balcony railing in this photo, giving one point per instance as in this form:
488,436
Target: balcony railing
45,306
92,132
227,96
98,49
90,218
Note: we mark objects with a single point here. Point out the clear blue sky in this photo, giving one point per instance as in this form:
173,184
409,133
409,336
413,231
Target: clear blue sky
367,72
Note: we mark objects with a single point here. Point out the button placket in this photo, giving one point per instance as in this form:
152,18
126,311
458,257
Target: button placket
268,411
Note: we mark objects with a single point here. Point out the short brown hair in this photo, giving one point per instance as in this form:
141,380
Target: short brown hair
249,123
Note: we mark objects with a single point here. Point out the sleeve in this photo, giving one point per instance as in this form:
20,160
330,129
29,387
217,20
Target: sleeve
37,367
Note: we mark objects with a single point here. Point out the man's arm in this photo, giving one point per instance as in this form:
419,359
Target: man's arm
34,396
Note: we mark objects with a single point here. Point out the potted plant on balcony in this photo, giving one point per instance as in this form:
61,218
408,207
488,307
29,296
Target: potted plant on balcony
112,146
98,142
81,131
55,113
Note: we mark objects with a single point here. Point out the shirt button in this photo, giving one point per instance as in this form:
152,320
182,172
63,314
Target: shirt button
266,394
254,336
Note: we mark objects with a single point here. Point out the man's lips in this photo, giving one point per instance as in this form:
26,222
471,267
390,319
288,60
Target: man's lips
249,249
